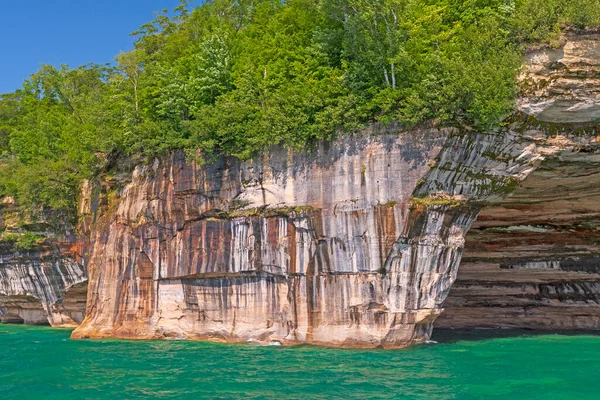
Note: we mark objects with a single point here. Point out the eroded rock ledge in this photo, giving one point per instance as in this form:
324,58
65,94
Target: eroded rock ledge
533,260
353,244
47,285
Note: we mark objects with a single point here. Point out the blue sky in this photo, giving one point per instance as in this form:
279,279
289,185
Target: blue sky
74,32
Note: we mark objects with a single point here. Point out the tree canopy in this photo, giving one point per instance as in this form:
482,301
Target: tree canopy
237,76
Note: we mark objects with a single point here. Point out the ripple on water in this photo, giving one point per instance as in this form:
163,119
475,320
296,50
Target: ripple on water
42,363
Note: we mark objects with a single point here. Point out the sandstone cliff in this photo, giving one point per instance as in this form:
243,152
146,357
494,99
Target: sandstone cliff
533,261
45,284
354,243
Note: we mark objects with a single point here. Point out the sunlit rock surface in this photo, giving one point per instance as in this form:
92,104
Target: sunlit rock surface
563,85
42,286
533,260
355,243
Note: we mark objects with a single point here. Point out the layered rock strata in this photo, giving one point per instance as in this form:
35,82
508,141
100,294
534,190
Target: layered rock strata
533,261
42,286
562,86
355,243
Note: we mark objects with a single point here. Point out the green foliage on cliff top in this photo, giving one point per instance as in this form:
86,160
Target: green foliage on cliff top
236,76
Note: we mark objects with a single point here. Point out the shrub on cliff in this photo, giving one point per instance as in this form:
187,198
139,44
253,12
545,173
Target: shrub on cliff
24,242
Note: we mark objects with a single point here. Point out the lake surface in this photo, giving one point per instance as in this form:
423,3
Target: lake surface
42,363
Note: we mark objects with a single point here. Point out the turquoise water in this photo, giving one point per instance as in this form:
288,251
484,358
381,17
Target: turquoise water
42,363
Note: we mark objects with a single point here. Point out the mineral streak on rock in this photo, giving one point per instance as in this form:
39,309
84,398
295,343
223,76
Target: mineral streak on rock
43,286
355,243
533,259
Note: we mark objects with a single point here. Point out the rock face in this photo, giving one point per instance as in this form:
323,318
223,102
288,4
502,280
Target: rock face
353,244
42,286
533,260
45,284
562,86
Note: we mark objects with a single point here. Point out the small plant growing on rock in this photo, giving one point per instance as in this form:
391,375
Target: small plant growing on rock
25,241
437,199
